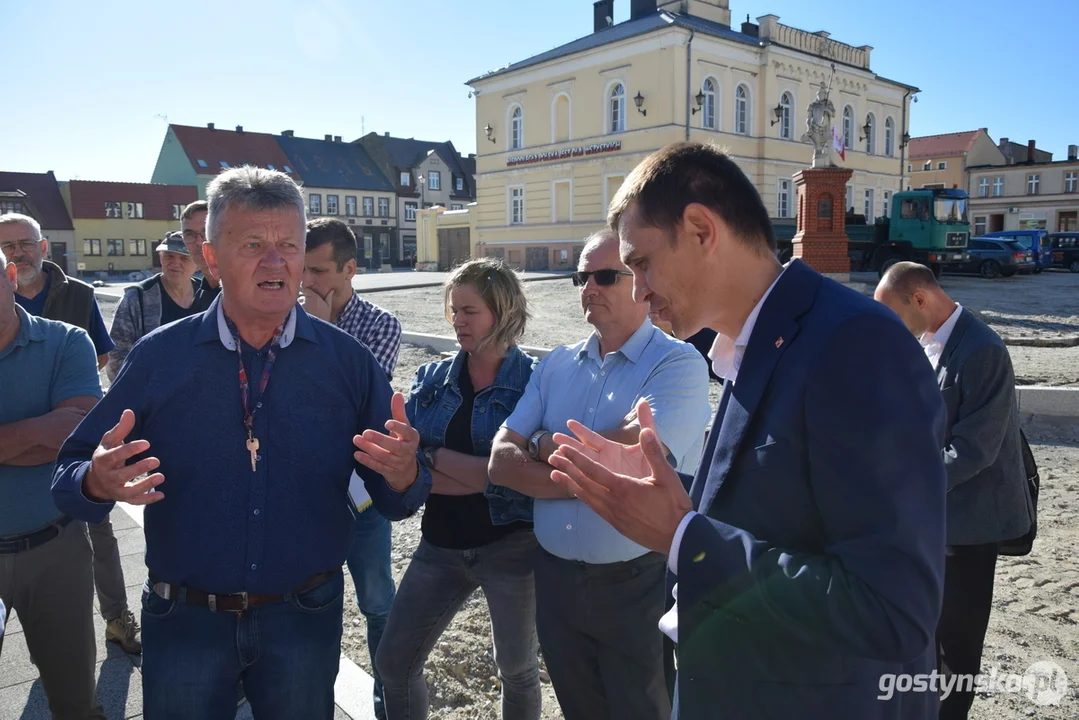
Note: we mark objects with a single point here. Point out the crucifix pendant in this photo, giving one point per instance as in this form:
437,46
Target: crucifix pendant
253,448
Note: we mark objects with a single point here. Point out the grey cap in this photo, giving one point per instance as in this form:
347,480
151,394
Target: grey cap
173,242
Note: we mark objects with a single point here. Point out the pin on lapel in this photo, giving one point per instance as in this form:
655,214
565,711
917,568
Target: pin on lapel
779,343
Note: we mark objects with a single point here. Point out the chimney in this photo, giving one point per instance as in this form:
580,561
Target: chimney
239,128
328,138
1030,151
602,15
287,133
1073,152
472,156
750,28
385,134
640,8
210,126
337,138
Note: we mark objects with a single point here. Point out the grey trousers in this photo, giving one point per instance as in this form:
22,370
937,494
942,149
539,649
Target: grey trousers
598,629
51,588
108,576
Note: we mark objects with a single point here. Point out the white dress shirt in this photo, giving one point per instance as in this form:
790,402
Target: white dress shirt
934,343
726,355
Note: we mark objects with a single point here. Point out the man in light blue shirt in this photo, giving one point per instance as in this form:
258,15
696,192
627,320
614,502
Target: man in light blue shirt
600,595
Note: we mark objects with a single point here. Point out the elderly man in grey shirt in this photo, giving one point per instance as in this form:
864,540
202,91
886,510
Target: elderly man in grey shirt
599,595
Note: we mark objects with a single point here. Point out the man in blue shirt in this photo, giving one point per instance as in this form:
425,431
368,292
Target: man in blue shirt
599,596
48,382
246,417
44,290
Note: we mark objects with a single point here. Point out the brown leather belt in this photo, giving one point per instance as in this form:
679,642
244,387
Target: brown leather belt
235,602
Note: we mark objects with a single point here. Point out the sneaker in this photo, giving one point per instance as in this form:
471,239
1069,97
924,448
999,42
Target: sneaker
124,630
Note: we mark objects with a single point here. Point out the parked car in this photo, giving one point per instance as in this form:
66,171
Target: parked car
1036,241
993,257
1065,250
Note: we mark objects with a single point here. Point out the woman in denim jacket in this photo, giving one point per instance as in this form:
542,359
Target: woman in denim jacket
472,535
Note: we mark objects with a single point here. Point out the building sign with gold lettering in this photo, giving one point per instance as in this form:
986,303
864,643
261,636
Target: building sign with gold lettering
565,153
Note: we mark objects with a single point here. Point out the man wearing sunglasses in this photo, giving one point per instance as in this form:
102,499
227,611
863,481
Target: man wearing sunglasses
599,595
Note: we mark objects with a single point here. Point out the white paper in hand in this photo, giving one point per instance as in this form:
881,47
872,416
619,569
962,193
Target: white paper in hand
357,493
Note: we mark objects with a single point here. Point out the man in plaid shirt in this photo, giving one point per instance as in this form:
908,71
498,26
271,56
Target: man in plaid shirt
330,264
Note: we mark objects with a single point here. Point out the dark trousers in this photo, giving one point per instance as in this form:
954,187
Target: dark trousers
968,599
598,629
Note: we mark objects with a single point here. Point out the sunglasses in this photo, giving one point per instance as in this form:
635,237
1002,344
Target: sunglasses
603,277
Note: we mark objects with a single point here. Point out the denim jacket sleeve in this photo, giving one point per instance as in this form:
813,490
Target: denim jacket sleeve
508,505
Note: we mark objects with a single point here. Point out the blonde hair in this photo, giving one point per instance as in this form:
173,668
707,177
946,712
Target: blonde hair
502,292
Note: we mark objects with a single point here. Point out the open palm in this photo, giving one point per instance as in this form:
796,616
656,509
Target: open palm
628,460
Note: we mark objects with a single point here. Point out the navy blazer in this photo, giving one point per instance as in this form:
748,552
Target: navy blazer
817,562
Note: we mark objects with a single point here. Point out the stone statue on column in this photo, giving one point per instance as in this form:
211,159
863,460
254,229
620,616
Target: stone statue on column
819,128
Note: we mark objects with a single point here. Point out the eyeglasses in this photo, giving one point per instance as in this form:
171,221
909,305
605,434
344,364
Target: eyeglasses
604,277
191,236
26,246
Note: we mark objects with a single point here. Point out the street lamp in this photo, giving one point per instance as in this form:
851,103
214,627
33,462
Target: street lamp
488,130
700,102
778,112
639,101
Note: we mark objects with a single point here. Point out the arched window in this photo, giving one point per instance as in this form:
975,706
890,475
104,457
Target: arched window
871,134
786,127
889,137
708,110
616,114
848,127
741,110
517,129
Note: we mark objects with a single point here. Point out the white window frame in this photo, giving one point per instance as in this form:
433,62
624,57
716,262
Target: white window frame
516,123
1071,182
368,205
333,205
460,184
998,186
848,127
743,118
554,117
515,205
709,108
889,137
942,165
848,201
177,211
114,209
406,179
1034,183
869,202
314,203
411,209
871,136
783,198
135,211
982,220
886,203
614,113
434,179
350,205
383,207
786,115
983,187
554,199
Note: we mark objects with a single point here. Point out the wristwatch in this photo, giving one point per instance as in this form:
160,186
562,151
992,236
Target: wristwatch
429,457
534,444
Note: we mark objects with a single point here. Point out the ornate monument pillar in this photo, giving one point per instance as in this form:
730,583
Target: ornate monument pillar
821,236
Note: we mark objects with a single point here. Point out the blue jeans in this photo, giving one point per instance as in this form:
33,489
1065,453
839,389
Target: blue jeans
436,585
369,565
285,654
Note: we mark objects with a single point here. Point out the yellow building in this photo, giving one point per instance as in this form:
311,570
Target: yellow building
557,133
118,224
943,161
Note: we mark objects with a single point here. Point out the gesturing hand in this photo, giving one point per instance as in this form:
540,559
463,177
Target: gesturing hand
391,455
632,487
110,477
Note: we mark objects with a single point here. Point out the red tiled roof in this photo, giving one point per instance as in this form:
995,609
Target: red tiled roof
88,198
948,145
44,196
235,148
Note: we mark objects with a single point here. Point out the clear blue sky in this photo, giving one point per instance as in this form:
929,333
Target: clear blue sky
85,82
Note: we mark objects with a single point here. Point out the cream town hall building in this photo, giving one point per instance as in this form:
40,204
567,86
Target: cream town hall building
558,132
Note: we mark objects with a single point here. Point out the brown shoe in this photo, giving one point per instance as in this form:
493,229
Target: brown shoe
125,630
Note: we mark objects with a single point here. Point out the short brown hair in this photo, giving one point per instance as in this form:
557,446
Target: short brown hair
671,178
906,278
502,292
195,207
330,230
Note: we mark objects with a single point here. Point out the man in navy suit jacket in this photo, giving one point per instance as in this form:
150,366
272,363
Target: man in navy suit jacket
809,550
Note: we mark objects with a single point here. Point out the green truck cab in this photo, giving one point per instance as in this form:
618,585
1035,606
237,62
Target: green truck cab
927,226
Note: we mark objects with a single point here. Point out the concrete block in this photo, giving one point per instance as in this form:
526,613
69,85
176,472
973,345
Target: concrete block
352,691
1048,401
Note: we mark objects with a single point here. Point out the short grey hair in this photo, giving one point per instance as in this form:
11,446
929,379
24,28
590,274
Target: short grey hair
252,188
595,239
13,218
